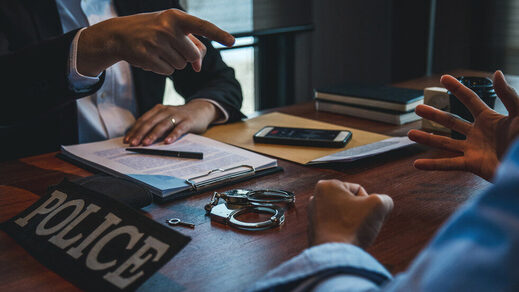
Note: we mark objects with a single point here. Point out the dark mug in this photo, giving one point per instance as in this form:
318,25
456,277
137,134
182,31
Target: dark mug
483,87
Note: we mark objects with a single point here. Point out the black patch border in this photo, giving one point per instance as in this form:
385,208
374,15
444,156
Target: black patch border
76,271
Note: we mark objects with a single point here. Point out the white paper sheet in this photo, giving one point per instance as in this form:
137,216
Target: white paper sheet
162,172
365,150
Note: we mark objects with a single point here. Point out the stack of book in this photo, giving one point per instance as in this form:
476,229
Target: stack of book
387,104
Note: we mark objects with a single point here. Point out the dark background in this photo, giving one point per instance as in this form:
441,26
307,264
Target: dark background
376,41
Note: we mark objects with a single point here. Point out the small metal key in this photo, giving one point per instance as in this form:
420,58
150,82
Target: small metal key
176,221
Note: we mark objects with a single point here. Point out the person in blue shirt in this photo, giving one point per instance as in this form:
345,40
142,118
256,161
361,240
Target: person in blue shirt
476,250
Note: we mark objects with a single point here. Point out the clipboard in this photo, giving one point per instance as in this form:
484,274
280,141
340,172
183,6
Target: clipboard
197,187
209,185
172,178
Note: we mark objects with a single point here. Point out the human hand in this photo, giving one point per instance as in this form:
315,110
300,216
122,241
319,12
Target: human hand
344,212
195,117
486,139
161,42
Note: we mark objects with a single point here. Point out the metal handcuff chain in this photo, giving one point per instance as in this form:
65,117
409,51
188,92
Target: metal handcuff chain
242,201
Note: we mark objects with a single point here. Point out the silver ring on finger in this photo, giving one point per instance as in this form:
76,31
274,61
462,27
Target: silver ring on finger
173,122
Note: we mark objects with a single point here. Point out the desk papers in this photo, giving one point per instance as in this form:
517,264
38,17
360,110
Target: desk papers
364,151
240,134
167,175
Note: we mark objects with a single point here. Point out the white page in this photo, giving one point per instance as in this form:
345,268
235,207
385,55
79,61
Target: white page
167,175
112,154
365,150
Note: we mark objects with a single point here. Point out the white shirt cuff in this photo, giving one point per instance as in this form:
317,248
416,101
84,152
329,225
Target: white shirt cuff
76,79
225,115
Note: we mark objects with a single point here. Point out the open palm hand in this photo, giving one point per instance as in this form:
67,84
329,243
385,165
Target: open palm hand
486,139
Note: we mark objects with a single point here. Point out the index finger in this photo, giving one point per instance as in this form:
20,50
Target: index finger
445,119
470,99
356,189
195,25
387,203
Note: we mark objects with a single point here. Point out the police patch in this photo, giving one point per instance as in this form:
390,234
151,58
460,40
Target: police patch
92,240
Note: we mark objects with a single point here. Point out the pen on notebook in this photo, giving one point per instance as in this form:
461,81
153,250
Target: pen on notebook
171,153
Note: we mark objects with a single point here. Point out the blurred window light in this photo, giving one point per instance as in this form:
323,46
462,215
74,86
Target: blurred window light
230,15
233,16
242,61
240,42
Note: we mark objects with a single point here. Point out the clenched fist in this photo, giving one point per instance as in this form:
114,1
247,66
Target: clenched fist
345,212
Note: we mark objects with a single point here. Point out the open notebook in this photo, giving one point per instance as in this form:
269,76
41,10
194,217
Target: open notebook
171,176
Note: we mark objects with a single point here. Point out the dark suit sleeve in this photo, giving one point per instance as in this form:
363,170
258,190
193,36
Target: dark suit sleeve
34,81
216,81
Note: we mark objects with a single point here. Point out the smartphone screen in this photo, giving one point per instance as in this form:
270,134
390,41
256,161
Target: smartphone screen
306,134
302,137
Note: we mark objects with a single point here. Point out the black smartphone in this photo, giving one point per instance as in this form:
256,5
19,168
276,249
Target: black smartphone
302,137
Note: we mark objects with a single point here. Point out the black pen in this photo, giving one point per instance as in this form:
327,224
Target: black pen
172,153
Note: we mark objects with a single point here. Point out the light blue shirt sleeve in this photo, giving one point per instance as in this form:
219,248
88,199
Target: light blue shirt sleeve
476,250
322,261
77,80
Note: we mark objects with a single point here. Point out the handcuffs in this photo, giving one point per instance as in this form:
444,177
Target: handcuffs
242,201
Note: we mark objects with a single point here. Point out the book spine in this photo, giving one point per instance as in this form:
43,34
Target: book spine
364,113
366,102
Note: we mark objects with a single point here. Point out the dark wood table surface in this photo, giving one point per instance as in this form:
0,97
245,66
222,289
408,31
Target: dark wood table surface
220,258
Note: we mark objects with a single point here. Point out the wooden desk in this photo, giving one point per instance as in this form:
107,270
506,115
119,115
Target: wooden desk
223,259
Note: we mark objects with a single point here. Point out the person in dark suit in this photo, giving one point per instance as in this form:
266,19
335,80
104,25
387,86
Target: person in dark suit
75,71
